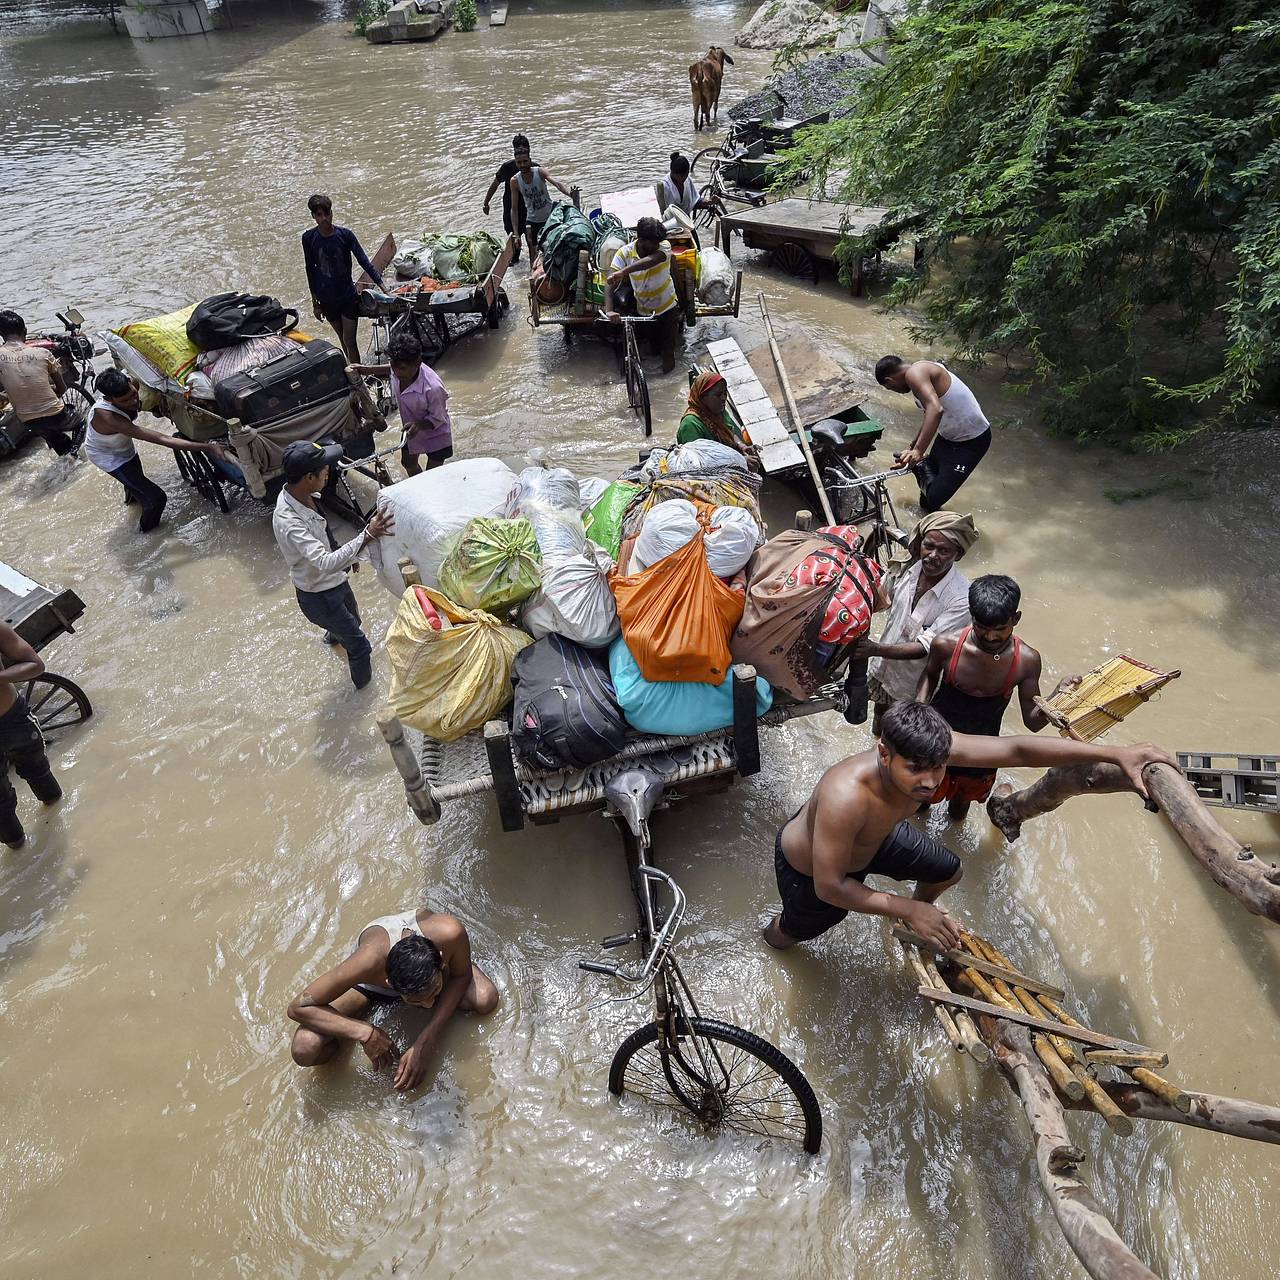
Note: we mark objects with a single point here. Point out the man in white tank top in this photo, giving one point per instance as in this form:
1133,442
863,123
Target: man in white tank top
420,958
953,424
109,443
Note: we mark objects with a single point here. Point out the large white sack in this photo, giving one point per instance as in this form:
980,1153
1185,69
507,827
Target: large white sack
590,491
715,278
666,528
732,540
550,500
702,455
432,509
575,600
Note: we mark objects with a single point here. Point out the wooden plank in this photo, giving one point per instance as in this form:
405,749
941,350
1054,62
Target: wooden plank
770,431
967,961
723,346
756,411
781,456
1081,1034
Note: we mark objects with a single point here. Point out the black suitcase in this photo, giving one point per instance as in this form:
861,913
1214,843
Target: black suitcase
314,373
565,714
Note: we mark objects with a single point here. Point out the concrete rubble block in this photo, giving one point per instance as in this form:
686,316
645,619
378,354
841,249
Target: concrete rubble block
407,21
778,22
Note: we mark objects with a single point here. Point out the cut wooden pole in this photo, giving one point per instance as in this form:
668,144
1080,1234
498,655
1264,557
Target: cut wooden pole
797,422
1002,969
1234,1117
1046,1048
1102,1103
1162,1088
943,1015
972,1041
1232,865
1113,1058
1102,1253
1083,1035
1032,1005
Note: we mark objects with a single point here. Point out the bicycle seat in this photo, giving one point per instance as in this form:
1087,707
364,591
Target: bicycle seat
829,432
633,793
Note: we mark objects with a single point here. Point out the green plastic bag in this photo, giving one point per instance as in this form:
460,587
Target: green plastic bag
494,565
603,522
463,257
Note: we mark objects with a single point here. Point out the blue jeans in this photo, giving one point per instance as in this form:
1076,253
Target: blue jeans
337,612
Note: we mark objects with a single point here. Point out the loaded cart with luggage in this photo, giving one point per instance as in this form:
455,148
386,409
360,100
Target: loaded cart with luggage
568,646
235,369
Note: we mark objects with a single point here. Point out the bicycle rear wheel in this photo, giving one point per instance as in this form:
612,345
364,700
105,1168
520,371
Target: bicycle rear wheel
751,1086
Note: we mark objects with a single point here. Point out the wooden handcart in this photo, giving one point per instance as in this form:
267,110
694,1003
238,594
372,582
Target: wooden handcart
802,233
436,314
41,614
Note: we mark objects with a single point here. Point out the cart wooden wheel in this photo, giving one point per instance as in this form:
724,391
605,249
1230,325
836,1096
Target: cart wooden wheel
796,260
201,475
57,703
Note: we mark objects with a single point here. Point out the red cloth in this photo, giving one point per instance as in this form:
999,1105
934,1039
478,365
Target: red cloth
964,786
848,615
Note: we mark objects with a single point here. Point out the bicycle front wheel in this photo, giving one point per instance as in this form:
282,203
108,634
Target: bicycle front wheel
79,403
729,1078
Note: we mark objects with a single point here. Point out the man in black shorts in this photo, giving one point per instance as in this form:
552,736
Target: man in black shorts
506,171
854,825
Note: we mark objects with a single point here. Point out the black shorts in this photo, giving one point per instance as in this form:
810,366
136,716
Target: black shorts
336,312
905,854
436,458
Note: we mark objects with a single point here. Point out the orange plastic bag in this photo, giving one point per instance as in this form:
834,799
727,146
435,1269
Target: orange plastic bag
677,617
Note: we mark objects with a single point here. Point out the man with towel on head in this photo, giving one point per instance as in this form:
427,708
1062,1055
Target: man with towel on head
930,599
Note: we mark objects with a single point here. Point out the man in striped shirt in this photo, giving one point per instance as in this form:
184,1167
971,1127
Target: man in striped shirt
646,263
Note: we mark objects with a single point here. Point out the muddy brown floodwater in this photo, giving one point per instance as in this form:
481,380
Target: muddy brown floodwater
232,819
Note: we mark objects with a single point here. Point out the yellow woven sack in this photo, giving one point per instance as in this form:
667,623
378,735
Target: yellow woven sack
447,683
164,342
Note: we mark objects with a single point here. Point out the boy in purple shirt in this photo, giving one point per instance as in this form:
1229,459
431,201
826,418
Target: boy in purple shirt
423,402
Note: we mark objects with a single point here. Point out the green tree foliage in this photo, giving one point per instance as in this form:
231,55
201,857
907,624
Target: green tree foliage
465,16
369,12
1099,186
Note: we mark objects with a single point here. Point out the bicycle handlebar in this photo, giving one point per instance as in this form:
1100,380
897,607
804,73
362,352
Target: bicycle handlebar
661,943
592,967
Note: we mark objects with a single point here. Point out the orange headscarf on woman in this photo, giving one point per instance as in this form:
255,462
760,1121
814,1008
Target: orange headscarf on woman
714,422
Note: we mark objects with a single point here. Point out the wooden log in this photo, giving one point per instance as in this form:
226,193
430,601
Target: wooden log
1113,1058
1162,1088
409,572
804,520
1234,1117
974,1044
1102,1253
1082,1035
1232,865
1003,968
945,1020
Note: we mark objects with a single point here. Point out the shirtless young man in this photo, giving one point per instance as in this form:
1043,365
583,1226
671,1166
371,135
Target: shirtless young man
970,677
854,824
421,958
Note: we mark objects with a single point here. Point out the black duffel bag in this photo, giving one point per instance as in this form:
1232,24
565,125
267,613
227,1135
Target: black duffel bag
565,715
229,318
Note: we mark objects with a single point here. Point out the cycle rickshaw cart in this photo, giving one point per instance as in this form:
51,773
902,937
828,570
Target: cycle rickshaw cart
348,415
725,1076
41,614
581,312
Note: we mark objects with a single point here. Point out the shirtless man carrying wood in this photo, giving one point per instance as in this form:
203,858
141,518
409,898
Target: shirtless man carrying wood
854,825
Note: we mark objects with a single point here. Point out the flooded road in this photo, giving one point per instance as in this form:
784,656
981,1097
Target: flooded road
232,819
